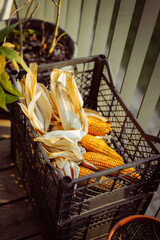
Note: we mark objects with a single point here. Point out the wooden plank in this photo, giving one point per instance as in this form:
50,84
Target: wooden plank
102,26
49,11
144,33
41,10
73,18
7,10
151,97
37,237
18,221
5,130
1,4
2,24
86,27
11,187
63,14
23,11
120,35
4,114
5,159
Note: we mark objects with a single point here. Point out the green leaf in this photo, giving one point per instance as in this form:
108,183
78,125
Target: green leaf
6,31
2,63
10,98
7,85
12,54
2,99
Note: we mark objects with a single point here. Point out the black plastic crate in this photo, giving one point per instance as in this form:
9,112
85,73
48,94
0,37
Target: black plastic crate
61,201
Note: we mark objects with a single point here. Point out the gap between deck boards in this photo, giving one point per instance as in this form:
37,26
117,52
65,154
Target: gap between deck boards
17,218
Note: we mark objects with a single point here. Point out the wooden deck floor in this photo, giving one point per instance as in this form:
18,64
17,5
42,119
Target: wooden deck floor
17,218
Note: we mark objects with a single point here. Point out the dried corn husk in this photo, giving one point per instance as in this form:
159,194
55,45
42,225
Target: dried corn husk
44,106
37,106
30,113
67,99
95,115
67,167
66,141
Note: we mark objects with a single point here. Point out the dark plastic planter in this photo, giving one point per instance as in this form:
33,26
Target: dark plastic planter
49,29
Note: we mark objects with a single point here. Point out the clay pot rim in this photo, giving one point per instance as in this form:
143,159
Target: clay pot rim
143,218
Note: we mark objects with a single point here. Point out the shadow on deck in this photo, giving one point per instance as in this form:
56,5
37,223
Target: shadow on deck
17,218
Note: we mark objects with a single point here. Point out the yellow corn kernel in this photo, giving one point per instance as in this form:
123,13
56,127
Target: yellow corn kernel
98,161
132,175
95,128
98,128
107,126
93,144
105,184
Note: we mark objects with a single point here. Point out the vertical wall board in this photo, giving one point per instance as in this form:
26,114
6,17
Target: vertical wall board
73,18
19,3
5,13
2,24
50,11
86,27
39,14
102,26
120,35
63,14
144,33
1,4
151,97
22,11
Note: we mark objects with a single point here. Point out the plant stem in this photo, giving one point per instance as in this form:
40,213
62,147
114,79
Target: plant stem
30,17
20,30
18,9
27,12
56,25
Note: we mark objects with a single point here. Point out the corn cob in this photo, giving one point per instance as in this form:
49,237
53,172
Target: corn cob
107,125
132,175
98,161
105,184
98,128
95,128
93,144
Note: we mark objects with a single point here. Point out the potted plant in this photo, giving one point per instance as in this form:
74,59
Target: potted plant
39,41
136,227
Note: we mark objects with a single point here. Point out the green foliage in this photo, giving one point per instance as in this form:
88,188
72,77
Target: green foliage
6,31
11,54
7,85
2,99
27,32
8,93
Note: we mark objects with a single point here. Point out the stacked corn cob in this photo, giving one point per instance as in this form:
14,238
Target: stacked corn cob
93,144
98,128
99,155
103,182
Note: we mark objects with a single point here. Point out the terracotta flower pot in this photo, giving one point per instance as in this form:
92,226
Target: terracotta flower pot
133,219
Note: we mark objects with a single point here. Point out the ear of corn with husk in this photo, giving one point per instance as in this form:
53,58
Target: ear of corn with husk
66,129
